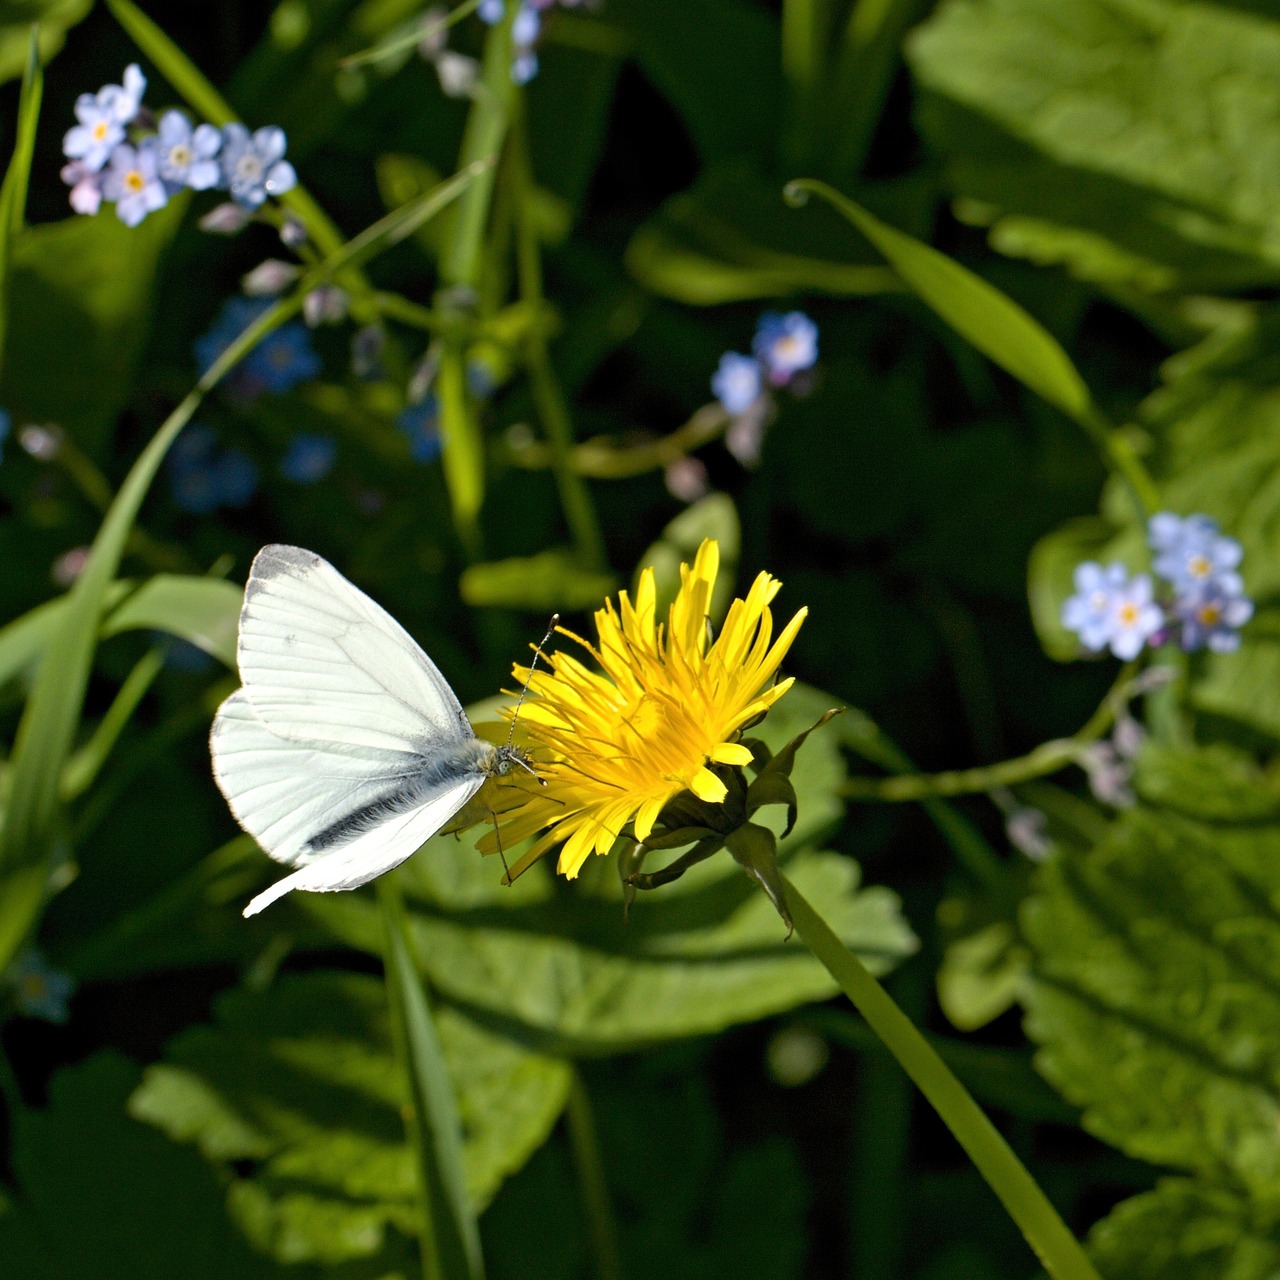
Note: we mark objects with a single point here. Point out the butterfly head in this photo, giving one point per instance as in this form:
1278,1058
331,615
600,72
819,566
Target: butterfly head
508,758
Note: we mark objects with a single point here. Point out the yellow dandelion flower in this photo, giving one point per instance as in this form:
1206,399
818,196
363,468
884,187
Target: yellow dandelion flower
613,746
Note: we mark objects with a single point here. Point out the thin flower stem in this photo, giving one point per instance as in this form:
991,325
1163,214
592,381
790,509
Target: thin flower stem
1060,1253
601,459
574,496
596,1202
1047,758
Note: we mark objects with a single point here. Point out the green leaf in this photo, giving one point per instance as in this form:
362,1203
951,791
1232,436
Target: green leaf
1133,144
696,956
979,312
550,580
1154,999
723,241
1185,1230
203,611
295,1093
55,17
80,303
101,1197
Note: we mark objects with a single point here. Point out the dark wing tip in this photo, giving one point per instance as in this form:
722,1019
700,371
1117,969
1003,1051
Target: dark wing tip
277,559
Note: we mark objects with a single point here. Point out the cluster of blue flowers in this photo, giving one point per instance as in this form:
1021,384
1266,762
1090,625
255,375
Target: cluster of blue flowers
116,153
204,476
525,30
1204,606
784,346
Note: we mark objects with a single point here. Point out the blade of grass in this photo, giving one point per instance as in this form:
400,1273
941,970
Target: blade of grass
409,37
13,193
450,1234
997,326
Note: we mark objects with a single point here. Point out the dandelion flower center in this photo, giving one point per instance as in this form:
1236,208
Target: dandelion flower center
663,705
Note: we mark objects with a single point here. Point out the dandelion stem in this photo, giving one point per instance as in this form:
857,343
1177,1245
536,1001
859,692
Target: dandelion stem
596,1202
1059,1251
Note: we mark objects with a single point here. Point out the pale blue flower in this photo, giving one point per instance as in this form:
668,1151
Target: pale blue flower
1212,615
132,181
421,424
737,382
1112,610
526,27
785,345
309,458
1191,553
40,991
185,157
102,117
253,165
86,187
491,11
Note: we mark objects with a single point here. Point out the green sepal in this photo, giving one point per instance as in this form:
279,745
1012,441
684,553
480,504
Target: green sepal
760,753
773,783
755,849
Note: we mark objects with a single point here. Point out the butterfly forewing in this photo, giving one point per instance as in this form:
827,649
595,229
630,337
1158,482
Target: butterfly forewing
321,662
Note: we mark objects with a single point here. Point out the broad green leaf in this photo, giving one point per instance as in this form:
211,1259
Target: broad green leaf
79,316
1154,999
16,18
1185,1230
297,1085
102,1197
976,310
550,580
727,240
1133,143
203,611
981,975
695,957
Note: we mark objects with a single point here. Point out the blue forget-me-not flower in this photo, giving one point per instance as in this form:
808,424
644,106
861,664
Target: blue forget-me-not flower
309,458
1191,552
39,990
421,425
186,157
737,382
785,345
102,118
203,476
253,164
1112,610
281,361
132,181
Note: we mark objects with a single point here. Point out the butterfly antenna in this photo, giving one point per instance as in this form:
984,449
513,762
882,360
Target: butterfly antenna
537,653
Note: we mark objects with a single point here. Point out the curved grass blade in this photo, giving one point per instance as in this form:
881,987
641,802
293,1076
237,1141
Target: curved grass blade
450,1234
13,193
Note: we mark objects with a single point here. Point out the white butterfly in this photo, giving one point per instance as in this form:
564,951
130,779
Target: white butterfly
346,750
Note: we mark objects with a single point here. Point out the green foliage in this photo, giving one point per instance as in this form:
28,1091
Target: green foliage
299,1081
1154,1007
159,1212
55,17
1135,145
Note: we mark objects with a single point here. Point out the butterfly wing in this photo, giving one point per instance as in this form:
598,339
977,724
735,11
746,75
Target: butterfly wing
342,815
321,662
